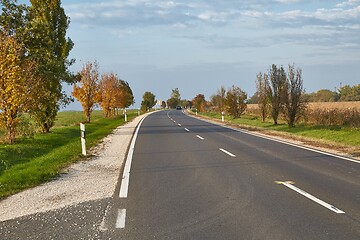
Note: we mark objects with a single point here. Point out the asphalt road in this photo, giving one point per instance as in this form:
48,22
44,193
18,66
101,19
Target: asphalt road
190,179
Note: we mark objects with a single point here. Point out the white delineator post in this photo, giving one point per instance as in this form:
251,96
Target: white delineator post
83,140
125,115
222,116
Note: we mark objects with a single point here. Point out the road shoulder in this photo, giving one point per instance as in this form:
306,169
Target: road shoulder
89,180
343,151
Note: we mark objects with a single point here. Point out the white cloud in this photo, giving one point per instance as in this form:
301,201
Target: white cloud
223,16
348,3
148,12
287,1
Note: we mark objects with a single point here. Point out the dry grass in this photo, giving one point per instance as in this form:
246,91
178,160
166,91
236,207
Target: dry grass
334,105
321,105
326,113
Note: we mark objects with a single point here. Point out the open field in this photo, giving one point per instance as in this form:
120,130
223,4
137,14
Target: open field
32,161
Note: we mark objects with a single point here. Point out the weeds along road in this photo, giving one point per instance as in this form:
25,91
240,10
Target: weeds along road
189,179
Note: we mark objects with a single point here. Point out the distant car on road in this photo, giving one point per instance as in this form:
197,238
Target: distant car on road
178,107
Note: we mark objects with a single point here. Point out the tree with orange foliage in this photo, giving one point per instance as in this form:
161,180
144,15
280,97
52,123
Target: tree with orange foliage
106,97
199,102
113,94
17,84
87,88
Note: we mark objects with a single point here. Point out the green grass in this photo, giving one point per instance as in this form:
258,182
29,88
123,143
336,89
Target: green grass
31,162
342,135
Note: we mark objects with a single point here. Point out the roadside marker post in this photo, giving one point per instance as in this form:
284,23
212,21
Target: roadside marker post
83,138
222,116
125,115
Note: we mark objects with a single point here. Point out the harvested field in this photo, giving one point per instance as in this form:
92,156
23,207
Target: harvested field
345,114
322,105
334,105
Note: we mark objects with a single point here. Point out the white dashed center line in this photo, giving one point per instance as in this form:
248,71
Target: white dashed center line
200,137
227,152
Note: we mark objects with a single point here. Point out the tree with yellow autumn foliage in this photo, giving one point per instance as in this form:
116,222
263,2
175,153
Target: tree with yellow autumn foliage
17,84
87,88
41,28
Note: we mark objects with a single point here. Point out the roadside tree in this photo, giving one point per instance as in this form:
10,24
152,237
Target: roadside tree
276,91
262,97
186,103
219,99
174,99
17,84
148,101
199,102
113,94
87,87
124,95
106,98
41,29
46,43
294,104
235,101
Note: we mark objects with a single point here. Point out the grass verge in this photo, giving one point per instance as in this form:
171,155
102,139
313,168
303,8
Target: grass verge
31,162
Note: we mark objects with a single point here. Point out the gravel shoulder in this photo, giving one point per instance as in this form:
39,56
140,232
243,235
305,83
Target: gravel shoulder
84,181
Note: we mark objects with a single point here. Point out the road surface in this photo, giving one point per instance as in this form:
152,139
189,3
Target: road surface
191,179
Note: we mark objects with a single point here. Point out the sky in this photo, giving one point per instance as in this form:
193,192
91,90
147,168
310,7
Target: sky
199,46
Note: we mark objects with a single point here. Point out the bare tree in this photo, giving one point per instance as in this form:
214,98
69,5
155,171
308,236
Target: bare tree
276,90
294,102
262,88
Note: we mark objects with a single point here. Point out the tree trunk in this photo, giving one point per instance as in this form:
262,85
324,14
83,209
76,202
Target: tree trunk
11,135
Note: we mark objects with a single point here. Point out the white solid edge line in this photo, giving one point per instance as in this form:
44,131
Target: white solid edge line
311,197
187,130
227,152
121,218
296,145
126,174
287,143
200,137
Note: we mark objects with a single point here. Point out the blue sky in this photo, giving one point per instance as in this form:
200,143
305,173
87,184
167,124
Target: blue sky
199,46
